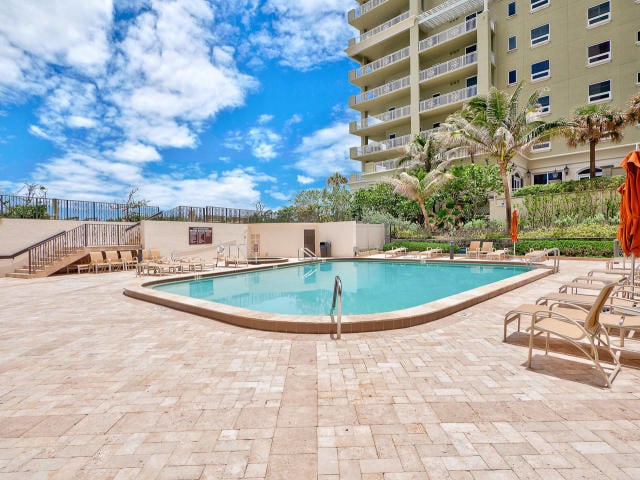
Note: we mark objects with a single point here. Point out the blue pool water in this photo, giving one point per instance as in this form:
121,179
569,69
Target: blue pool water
367,287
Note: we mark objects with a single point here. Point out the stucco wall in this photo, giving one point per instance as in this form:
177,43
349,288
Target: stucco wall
18,233
369,236
172,238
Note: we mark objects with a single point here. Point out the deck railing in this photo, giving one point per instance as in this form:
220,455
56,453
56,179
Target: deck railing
53,248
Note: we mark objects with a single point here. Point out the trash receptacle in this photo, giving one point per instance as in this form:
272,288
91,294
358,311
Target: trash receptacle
325,249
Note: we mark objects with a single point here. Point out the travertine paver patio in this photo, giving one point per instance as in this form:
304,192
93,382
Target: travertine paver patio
97,385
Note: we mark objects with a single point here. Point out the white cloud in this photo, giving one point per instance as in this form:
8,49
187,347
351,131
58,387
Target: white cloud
326,151
305,180
295,118
264,118
135,152
77,121
233,188
264,143
305,34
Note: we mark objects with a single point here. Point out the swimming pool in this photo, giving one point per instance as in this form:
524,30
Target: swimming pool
244,288
367,287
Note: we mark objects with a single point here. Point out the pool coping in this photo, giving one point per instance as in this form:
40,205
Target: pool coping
324,324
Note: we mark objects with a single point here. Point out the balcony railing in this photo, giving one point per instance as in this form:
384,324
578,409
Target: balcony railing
382,118
380,63
364,8
374,93
380,28
445,67
448,98
449,34
448,11
376,147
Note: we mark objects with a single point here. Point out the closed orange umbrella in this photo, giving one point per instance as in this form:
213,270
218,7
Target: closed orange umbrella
629,230
514,229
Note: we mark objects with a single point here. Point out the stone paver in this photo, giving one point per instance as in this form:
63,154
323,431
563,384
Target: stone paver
97,385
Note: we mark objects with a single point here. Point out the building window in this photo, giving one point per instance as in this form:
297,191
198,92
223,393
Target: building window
599,52
584,174
436,124
511,9
513,43
392,136
513,77
541,147
600,91
638,78
545,104
598,14
540,70
472,81
638,36
471,49
516,182
540,34
535,4
548,177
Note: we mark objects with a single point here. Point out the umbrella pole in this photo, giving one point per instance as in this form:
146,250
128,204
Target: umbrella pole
514,249
633,272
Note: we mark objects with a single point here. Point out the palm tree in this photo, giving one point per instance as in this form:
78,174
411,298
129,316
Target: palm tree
632,112
337,179
420,188
498,126
425,149
594,123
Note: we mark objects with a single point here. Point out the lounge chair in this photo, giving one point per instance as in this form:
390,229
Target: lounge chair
115,262
573,331
128,260
487,247
98,263
396,252
498,254
429,253
473,250
536,256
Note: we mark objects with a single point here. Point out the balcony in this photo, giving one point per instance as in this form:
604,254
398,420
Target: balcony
357,13
383,120
385,62
375,93
380,28
380,149
450,34
450,66
449,11
448,99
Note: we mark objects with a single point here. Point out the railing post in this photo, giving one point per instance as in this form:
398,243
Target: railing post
29,261
86,234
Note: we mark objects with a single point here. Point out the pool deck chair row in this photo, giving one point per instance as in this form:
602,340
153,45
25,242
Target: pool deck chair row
478,249
107,261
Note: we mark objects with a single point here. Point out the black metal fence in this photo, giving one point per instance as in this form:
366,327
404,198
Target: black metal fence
16,206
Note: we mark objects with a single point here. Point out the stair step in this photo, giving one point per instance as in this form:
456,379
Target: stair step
18,275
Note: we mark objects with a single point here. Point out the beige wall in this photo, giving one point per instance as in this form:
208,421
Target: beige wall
18,233
284,239
172,238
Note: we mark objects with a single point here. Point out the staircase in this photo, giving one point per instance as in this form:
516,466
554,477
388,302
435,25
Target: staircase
63,249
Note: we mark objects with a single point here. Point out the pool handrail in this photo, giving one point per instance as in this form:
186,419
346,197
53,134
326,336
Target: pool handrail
305,253
337,294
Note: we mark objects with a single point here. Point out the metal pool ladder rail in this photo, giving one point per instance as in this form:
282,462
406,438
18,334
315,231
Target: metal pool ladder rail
306,253
337,294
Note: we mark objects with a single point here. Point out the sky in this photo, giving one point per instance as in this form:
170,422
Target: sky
202,103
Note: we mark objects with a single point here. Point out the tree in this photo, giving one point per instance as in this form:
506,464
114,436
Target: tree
421,187
381,197
469,187
131,204
592,124
337,179
632,112
496,125
424,149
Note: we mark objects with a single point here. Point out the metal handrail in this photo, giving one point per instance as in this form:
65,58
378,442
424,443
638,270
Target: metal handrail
306,253
556,258
337,295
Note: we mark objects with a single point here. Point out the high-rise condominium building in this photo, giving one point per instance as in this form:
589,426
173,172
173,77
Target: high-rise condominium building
420,60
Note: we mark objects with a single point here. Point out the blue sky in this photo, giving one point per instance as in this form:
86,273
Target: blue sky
220,102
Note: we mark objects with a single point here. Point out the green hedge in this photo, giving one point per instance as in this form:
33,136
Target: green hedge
598,183
569,248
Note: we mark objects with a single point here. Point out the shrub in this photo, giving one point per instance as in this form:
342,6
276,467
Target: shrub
598,183
416,246
569,248
584,230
